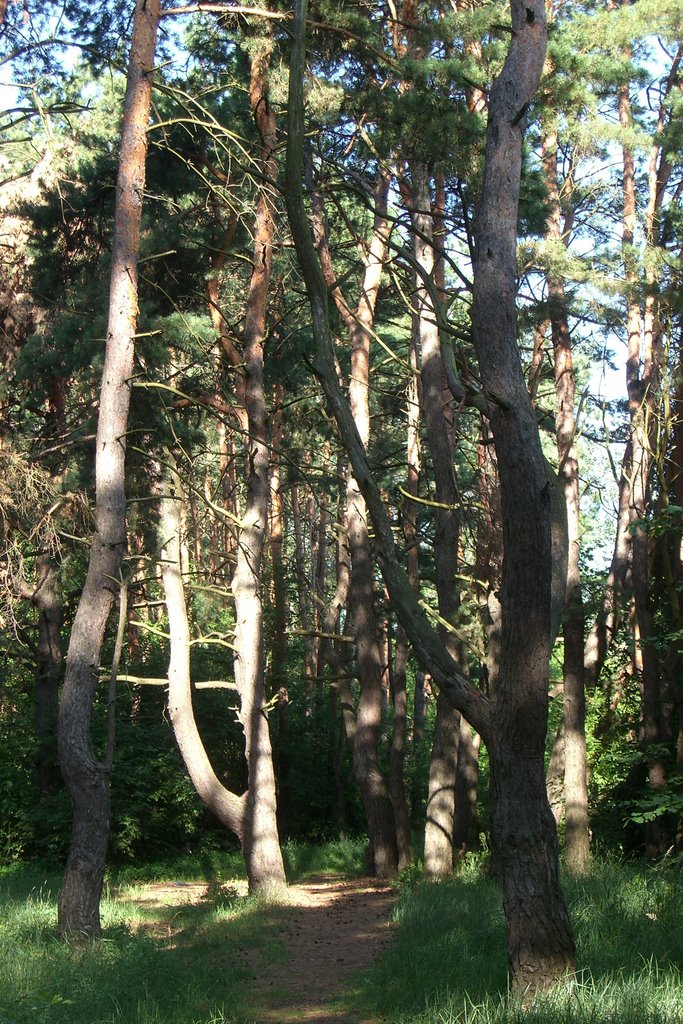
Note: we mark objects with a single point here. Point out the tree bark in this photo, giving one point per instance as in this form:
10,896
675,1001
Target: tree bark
440,819
577,833
279,642
85,776
397,784
466,821
540,942
260,840
523,830
397,752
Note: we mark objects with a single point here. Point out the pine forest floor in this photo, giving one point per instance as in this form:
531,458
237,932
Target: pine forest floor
334,949
329,929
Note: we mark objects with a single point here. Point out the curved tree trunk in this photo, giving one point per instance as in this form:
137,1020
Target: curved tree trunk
227,807
85,776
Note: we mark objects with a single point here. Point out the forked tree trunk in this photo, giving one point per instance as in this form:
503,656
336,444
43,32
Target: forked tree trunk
85,776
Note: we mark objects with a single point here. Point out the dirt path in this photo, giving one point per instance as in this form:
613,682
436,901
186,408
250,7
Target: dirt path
333,928
330,928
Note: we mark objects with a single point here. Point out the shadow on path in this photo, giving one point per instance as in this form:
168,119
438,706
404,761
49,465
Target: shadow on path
332,928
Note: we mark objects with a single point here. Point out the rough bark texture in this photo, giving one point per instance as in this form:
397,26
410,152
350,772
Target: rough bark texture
260,841
540,943
577,834
466,821
523,835
86,777
440,818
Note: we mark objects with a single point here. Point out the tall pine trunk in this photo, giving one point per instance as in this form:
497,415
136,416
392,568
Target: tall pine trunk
540,942
441,809
373,786
260,841
523,834
85,776
577,834
643,371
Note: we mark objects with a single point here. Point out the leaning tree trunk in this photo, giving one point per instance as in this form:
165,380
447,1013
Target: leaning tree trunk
227,807
540,942
85,776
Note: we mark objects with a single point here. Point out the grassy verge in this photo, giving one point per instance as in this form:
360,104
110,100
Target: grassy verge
158,962
164,963
343,856
447,964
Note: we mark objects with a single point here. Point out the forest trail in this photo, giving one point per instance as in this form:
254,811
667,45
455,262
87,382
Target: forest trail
332,928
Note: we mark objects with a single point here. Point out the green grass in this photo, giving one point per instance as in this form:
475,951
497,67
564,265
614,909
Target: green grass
159,964
153,965
447,964
343,856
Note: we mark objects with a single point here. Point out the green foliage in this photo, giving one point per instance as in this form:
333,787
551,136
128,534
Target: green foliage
653,804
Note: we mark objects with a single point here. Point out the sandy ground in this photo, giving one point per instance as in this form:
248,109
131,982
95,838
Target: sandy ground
331,927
